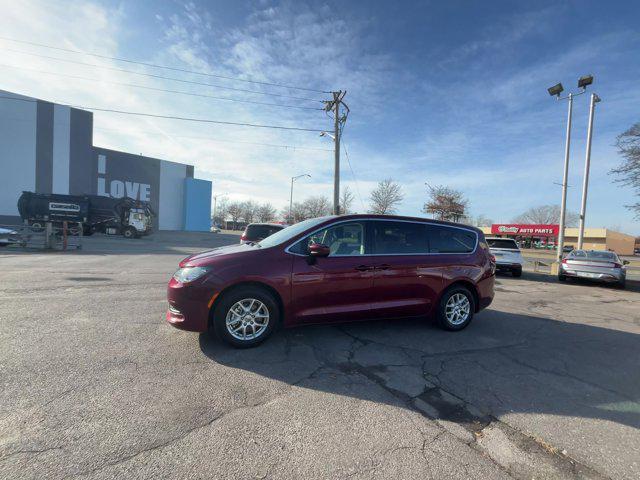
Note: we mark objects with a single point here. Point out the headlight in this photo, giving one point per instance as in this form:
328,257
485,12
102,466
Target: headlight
189,274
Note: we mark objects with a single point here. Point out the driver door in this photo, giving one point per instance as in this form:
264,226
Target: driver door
335,288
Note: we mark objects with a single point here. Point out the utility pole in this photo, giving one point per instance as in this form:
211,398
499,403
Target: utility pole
585,182
337,121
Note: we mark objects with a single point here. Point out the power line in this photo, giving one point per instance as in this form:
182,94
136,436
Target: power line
174,117
162,77
145,87
353,174
154,65
292,147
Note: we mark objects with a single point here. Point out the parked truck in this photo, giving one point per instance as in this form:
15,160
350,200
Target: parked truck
113,216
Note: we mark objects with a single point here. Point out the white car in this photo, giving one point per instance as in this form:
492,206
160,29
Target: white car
507,253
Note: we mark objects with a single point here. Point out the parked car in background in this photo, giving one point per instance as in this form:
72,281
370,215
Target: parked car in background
333,269
254,232
567,248
596,265
215,229
8,237
507,254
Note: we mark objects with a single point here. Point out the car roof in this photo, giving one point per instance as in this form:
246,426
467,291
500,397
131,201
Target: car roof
268,224
365,216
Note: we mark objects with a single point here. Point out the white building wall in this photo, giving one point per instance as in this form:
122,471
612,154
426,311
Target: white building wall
17,150
61,148
171,195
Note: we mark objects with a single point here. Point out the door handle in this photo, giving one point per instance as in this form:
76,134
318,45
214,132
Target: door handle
363,268
384,266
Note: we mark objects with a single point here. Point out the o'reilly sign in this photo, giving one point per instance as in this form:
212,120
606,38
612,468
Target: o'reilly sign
119,188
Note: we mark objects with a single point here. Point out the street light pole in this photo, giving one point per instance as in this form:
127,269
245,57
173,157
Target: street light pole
293,179
555,91
585,182
565,177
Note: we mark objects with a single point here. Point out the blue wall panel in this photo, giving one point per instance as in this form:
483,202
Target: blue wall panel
197,205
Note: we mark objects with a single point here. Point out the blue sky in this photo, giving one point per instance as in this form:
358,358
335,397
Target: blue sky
441,92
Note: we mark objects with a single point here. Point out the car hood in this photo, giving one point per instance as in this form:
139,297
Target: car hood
205,258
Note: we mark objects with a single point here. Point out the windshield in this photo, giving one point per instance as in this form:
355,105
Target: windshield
595,255
502,243
290,232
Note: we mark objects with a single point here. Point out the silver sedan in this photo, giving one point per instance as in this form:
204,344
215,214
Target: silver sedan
598,265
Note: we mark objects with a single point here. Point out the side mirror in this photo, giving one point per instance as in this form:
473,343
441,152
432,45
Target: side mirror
318,250
626,262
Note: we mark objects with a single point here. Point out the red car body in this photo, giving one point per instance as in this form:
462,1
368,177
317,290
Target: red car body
333,289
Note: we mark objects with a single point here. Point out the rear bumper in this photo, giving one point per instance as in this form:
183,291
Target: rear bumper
610,276
508,266
485,292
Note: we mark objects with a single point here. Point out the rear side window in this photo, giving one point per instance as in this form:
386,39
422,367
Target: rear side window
399,238
261,231
444,239
502,243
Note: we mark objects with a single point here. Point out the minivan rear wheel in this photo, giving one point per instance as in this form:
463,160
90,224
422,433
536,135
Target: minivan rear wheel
456,308
245,317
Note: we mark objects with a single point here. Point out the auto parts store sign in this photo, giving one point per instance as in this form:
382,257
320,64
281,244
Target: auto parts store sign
525,230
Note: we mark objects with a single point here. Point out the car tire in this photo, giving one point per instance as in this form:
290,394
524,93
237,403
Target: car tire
450,318
129,232
562,278
517,272
622,284
245,304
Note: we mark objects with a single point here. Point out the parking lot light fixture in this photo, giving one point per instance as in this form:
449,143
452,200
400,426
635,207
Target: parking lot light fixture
556,90
585,81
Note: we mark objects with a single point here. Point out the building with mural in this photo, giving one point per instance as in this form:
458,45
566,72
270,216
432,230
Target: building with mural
48,148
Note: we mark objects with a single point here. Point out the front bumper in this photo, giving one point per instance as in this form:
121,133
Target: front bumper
188,307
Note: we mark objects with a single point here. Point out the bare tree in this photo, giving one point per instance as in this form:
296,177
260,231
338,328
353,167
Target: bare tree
222,211
316,206
346,200
480,221
446,203
249,210
235,211
298,213
628,172
546,215
266,213
386,197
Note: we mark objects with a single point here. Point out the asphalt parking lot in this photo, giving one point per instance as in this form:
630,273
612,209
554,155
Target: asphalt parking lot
544,384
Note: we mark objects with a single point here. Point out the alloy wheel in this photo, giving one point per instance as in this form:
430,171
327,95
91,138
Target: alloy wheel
247,319
457,309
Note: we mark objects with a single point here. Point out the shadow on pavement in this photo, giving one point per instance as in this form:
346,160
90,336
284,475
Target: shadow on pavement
502,364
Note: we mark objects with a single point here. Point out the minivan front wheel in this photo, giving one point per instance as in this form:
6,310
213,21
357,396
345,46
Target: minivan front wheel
245,317
456,308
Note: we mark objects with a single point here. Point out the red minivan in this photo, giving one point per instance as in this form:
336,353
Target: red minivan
335,269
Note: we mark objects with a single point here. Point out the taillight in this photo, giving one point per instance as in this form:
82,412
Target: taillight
564,260
243,237
492,258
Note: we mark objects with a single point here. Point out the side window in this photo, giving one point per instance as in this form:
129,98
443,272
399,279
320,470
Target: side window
399,238
450,240
343,239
